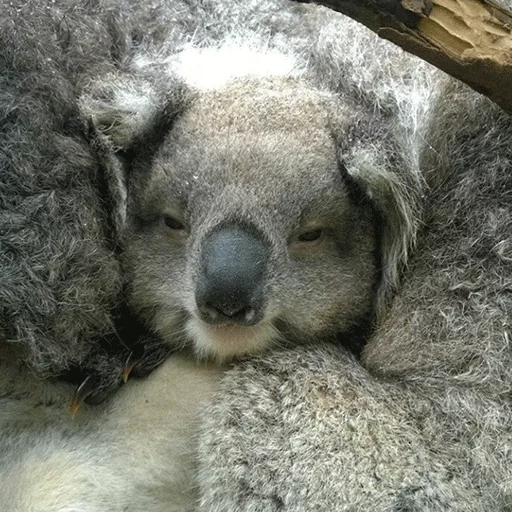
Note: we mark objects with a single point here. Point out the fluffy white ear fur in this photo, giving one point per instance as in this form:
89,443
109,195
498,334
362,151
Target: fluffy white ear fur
117,111
121,107
120,111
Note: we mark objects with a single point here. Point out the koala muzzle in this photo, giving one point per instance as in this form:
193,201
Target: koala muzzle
230,284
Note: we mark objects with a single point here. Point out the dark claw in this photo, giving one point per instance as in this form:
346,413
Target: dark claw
105,371
83,391
134,358
93,391
128,367
144,358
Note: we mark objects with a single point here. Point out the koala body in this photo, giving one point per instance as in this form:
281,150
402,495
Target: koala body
247,177
115,456
422,423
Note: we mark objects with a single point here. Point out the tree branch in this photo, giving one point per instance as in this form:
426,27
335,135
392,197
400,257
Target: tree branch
469,39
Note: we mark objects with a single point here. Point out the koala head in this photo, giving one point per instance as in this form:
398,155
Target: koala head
244,226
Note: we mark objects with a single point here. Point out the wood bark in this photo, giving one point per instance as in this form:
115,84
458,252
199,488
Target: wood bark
469,39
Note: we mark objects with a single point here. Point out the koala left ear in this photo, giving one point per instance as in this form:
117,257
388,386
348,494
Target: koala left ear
373,161
122,112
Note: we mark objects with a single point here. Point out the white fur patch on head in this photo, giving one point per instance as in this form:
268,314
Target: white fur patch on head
225,342
212,68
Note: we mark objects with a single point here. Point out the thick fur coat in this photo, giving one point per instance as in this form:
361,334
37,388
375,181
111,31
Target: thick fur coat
93,95
423,424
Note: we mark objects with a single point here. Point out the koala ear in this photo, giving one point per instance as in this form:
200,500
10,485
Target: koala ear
125,108
121,113
371,162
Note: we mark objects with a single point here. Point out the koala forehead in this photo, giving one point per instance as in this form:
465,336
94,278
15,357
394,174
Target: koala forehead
261,106
258,144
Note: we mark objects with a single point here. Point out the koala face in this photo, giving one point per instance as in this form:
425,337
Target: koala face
242,231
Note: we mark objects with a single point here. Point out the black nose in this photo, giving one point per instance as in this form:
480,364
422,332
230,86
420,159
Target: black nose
230,284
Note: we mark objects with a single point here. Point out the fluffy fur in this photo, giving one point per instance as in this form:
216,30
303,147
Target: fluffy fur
107,126
424,423
59,278
130,454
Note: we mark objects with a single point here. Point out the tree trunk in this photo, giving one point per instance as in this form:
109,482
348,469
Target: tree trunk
469,39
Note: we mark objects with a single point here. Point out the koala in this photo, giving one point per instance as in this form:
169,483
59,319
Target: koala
218,180
422,421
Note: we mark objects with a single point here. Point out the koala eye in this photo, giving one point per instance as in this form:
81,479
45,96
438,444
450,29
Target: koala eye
310,236
173,223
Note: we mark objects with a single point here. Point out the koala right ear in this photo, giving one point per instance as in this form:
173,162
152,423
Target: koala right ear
396,198
125,108
122,112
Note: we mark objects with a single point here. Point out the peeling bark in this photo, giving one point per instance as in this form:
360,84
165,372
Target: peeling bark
469,39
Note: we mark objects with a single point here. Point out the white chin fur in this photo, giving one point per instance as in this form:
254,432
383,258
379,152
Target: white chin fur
224,342
166,324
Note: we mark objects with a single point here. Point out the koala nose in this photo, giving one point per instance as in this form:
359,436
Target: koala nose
230,284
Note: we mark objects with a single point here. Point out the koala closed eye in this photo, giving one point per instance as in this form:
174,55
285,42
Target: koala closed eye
173,223
311,235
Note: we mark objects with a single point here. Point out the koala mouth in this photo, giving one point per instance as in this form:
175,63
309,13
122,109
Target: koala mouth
229,340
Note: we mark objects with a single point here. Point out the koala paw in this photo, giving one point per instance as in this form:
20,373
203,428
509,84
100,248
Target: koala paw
146,355
104,373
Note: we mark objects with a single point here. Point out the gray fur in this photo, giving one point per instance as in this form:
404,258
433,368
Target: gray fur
207,178
105,131
59,279
424,425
